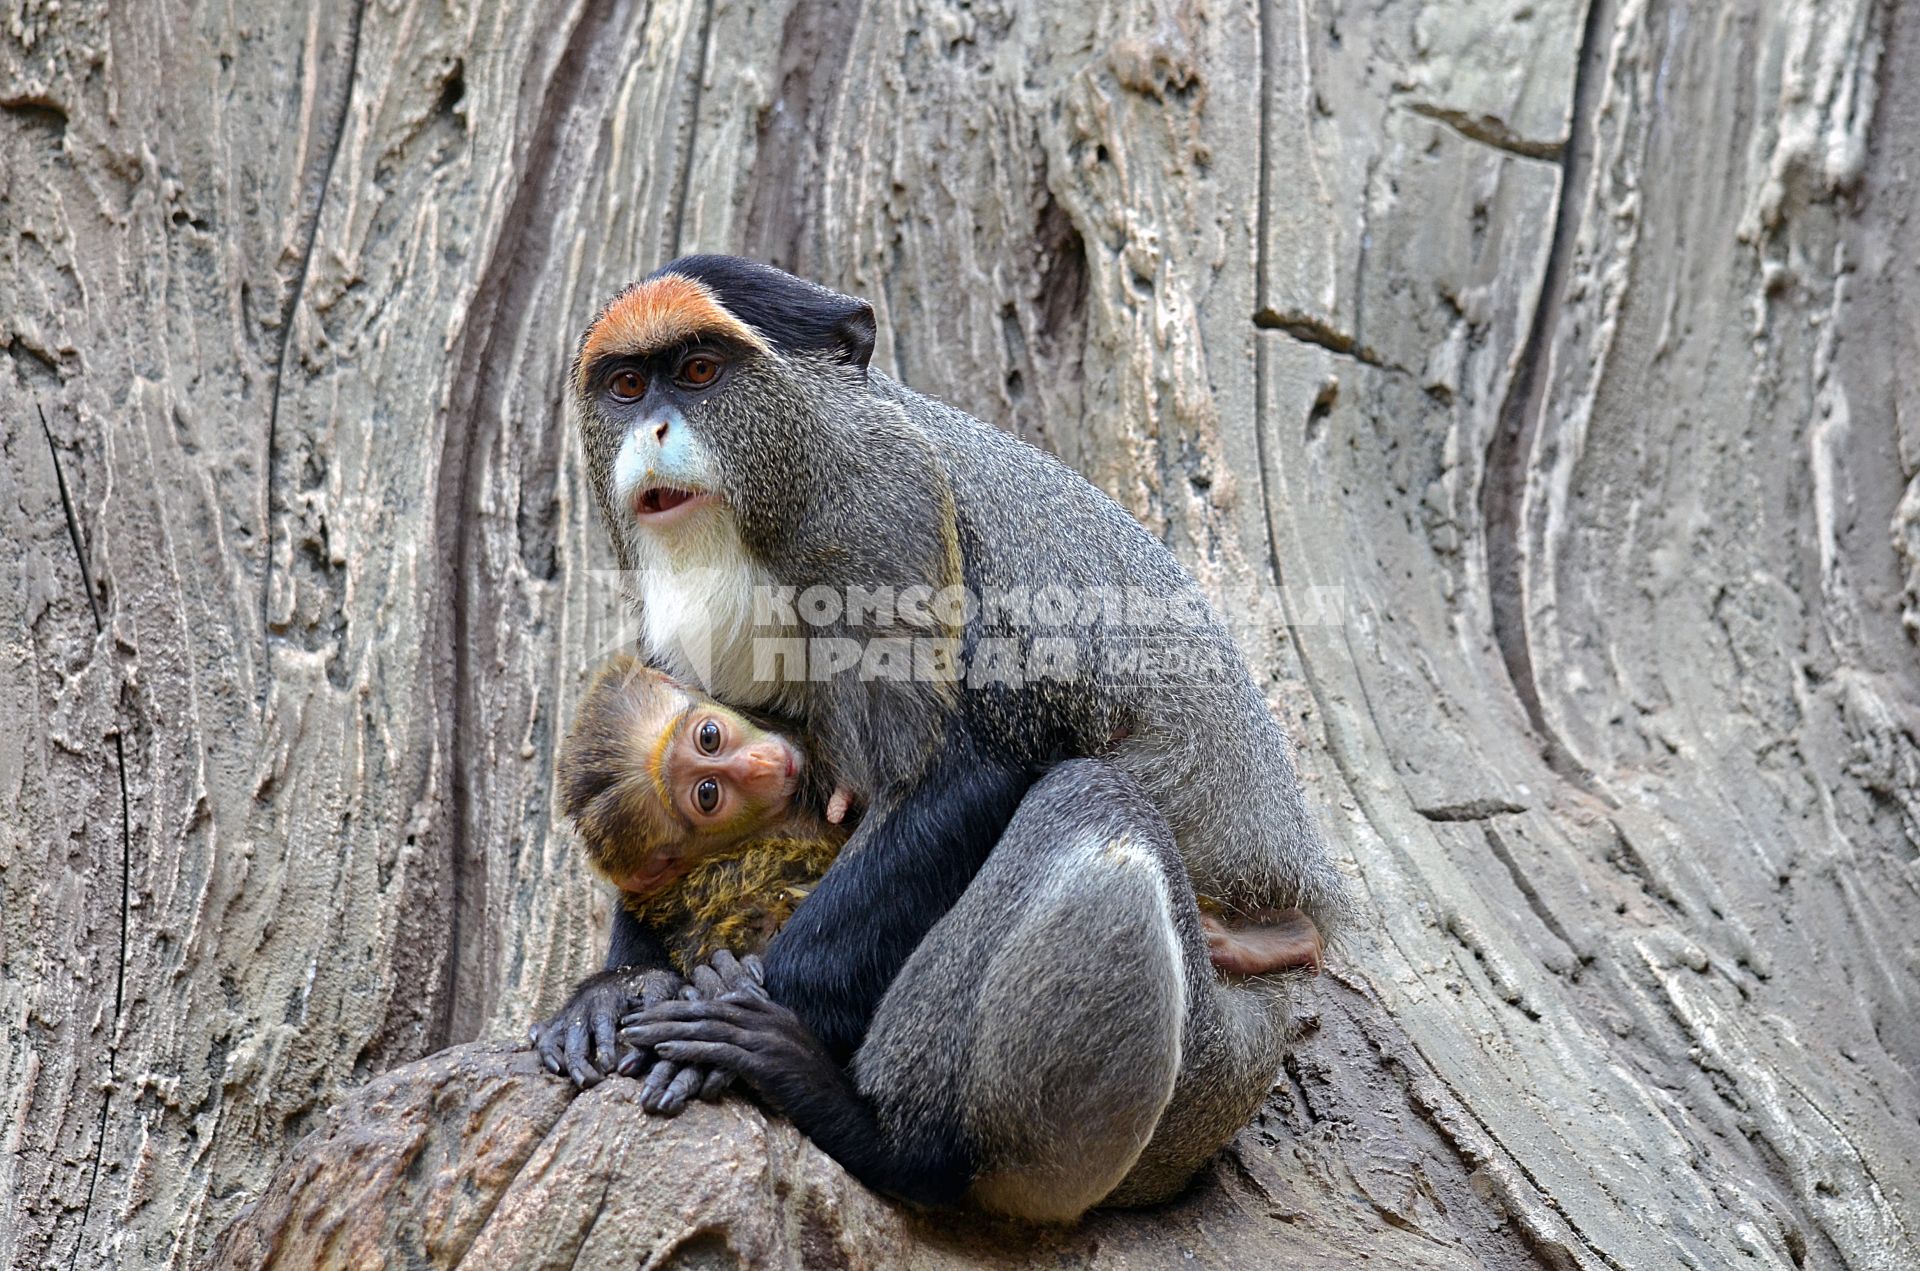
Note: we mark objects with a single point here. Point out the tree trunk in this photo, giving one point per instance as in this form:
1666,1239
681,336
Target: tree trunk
1535,383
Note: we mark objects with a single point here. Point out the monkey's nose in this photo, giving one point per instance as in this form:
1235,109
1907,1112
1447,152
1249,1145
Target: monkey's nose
660,432
758,766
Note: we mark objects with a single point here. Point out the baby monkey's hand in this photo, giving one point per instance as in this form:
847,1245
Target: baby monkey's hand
667,1088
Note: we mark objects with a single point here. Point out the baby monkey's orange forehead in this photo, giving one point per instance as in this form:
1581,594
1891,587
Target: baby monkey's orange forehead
662,313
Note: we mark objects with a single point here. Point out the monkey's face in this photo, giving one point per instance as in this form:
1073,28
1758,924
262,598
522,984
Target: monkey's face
727,777
697,392
659,779
664,477
651,369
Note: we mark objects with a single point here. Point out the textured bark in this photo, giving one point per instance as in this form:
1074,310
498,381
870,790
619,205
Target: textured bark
1536,383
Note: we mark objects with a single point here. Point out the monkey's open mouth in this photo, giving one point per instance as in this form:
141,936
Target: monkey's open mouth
660,500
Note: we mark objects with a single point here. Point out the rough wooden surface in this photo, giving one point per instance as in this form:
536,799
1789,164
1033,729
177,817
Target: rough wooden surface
1536,382
476,1157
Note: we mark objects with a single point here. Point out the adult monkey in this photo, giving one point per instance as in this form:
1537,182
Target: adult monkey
1049,1034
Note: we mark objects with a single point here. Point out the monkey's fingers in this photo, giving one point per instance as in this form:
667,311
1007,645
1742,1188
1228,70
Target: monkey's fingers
735,974
659,986
658,1078
669,1086
720,1055
735,1009
718,1079
547,1041
756,968
584,1074
838,804
659,1031
606,1047
685,1084
707,981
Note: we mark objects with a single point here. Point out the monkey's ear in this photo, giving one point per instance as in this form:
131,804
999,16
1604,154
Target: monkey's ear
854,334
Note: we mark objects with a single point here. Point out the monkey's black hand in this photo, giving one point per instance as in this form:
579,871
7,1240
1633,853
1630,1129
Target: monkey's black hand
672,1081
588,1021
746,1033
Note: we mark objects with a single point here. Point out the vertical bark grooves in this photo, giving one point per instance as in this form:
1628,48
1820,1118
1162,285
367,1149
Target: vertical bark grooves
1529,384
1262,425
126,849
788,137
685,167
1503,492
579,84
289,322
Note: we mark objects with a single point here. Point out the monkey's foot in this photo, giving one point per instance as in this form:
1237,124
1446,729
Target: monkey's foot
1271,940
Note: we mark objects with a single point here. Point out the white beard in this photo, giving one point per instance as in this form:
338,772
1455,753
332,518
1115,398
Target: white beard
696,586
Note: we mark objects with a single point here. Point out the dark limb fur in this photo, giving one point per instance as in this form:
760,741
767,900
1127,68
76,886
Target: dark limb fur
900,872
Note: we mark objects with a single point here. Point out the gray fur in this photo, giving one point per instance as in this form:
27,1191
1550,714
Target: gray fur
1066,1014
838,475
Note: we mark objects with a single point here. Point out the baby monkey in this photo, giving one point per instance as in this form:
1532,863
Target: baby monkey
694,812
698,816
691,810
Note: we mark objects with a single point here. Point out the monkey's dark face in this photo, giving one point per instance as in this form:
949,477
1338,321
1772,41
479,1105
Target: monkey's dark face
650,369
665,469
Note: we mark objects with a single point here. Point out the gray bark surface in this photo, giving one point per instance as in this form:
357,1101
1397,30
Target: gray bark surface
1535,383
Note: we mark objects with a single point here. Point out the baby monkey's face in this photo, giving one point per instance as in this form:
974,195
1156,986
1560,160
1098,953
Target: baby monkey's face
723,772
659,778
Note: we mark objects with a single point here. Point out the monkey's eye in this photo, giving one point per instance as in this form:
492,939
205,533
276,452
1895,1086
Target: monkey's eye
707,795
627,386
699,370
709,738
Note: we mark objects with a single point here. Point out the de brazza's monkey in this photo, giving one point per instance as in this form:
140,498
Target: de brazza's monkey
737,441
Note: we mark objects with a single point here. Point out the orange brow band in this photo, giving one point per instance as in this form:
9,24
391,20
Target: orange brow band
657,761
658,314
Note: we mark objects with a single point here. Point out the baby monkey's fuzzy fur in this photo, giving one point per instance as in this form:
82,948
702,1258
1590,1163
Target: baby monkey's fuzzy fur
735,902
745,877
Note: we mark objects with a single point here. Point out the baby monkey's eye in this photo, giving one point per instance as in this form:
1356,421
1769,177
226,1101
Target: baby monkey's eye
699,370
627,386
707,795
710,738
